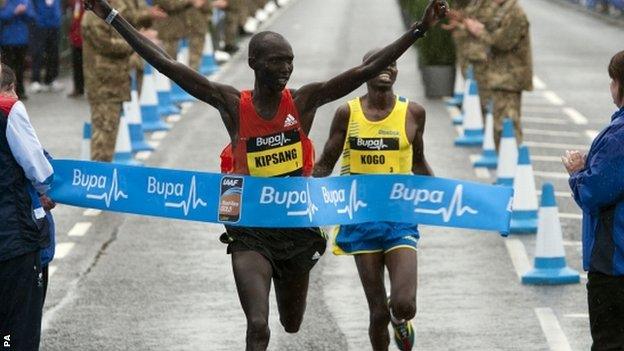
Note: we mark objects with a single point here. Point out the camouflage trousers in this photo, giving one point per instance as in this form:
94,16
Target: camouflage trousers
235,16
104,126
480,72
196,47
507,104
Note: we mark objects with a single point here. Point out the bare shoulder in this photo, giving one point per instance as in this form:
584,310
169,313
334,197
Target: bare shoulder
342,114
416,111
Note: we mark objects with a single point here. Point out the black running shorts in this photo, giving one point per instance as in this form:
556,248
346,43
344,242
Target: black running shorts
290,250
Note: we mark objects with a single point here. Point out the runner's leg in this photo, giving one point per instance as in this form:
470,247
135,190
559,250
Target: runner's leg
252,273
371,270
402,266
291,293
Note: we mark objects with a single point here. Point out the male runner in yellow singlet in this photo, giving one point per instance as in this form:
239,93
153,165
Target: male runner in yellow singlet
380,133
260,122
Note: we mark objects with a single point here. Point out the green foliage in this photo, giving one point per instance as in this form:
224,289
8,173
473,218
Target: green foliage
437,47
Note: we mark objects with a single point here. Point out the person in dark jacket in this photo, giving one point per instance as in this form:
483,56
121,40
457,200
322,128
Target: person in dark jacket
25,174
597,183
75,40
15,17
45,46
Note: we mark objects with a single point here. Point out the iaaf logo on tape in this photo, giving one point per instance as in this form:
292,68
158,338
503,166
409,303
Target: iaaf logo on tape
292,198
338,197
168,189
99,183
455,206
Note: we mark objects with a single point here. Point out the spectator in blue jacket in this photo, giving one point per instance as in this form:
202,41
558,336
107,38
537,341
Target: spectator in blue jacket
24,170
597,183
45,45
15,17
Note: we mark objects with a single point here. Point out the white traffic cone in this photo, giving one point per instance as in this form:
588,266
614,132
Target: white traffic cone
270,7
473,118
261,15
507,155
163,92
458,90
133,116
208,63
149,103
123,148
179,95
85,150
222,56
489,158
524,215
251,25
550,264
458,120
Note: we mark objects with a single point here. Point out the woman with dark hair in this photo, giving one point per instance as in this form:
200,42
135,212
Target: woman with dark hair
597,183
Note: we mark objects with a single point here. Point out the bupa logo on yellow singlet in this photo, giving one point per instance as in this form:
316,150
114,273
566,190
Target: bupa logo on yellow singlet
374,155
273,155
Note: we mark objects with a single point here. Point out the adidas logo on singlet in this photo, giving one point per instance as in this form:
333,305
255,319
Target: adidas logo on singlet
290,121
316,256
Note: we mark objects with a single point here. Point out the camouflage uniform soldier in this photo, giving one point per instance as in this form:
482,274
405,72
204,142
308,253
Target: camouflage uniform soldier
472,51
235,16
106,69
197,27
510,66
106,59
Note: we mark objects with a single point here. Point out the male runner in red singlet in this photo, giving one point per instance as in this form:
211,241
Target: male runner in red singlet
259,122
398,124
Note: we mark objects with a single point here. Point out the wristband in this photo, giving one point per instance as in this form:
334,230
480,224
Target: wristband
111,16
419,32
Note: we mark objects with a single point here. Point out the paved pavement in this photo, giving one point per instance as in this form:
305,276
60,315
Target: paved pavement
124,282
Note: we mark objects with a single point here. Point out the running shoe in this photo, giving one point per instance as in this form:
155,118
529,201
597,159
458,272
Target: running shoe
403,335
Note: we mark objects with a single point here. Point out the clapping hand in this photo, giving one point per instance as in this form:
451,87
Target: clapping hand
574,161
436,10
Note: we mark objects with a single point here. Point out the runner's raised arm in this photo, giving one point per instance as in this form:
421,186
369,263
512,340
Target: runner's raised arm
317,94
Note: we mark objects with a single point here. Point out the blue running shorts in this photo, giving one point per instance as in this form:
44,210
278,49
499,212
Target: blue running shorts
375,237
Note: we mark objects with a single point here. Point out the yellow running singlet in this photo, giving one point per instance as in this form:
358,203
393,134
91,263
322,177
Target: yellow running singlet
377,147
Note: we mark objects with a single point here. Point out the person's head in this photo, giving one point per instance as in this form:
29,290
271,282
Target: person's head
616,72
386,78
271,58
7,81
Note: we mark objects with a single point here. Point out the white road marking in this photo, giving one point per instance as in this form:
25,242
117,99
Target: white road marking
541,109
555,175
544,158
154,143
62,249
538,83
570,215
542,120
79,229
558,133
480,172
572,243
553,98
557,193
555,145
592,134
173,118
51,270
143,155
577,315
159,135
91,212
575,116
518,255
556,338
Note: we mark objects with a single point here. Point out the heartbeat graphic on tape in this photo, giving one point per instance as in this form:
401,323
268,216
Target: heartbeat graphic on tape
310,210
191,202
455,207
354,204
113,194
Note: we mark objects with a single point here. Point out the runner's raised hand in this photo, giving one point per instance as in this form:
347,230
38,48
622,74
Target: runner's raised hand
436,10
